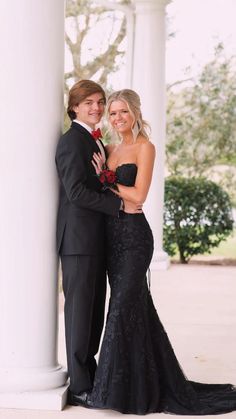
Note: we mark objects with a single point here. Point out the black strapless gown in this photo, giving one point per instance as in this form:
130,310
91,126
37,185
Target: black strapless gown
138,371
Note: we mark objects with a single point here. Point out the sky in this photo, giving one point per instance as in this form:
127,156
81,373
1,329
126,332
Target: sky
198,25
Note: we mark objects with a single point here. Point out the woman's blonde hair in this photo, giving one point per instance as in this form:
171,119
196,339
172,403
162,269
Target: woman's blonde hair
132,100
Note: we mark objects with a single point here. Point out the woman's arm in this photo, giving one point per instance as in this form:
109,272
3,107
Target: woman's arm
145,162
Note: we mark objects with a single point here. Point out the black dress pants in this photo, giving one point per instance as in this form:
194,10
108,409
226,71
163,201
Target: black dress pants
84,286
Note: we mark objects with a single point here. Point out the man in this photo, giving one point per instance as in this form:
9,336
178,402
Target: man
81,235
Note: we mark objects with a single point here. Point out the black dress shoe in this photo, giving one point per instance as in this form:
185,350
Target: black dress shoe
81,399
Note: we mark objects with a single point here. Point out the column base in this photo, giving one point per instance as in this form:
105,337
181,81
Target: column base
160,261
54,399
20,380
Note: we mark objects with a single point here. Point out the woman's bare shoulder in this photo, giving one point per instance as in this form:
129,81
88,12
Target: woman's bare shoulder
145,144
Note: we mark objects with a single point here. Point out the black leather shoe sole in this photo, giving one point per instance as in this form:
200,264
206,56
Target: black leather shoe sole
79,400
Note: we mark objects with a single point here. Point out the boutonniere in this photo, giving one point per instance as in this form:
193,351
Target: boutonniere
96,134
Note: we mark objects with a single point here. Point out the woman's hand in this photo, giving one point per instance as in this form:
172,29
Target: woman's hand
98,162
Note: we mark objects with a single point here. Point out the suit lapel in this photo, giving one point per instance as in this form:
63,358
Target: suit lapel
88,136
84,132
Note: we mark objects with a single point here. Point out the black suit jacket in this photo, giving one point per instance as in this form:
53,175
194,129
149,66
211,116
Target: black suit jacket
82,205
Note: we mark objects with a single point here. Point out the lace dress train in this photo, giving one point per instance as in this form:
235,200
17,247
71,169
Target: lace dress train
138,371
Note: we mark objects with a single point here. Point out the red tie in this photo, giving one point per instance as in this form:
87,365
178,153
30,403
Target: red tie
96,134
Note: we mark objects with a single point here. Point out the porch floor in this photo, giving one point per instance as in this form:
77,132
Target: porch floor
197,306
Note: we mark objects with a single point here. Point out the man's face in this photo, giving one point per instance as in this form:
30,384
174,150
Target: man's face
90,110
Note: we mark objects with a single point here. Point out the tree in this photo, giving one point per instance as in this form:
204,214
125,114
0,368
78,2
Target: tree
201,121
197,216
84,16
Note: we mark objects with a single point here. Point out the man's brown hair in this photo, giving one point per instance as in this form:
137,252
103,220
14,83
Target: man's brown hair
79,92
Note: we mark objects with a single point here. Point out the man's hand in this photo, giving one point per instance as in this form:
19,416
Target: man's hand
132,208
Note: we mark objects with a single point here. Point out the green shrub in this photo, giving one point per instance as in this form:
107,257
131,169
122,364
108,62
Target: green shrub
197,216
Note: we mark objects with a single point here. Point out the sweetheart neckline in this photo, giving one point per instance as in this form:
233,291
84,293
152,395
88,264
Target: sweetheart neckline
125,164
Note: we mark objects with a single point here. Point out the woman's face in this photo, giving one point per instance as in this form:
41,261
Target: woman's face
120,117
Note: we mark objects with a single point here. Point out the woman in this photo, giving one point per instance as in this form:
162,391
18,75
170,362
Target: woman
137,371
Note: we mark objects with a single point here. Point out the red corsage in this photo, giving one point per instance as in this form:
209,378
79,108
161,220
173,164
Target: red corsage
108,179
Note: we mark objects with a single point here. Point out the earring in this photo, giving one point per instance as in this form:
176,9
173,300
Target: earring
136,130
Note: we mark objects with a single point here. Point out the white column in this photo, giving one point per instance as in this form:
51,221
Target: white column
149,81
31,86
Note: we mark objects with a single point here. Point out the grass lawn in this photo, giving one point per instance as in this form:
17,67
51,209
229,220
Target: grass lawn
225,251
226,248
